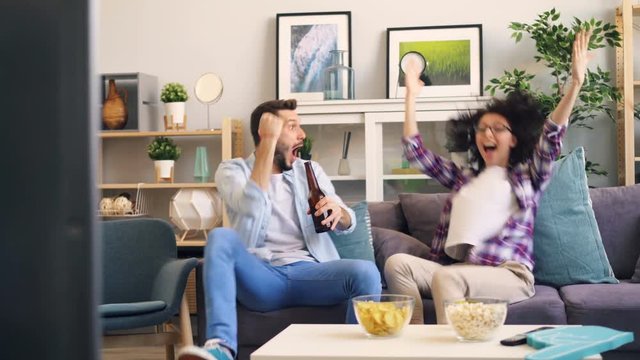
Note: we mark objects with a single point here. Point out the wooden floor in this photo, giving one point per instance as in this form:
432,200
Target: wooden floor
135,353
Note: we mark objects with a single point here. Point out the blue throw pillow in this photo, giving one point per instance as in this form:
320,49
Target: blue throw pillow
567,246
359,243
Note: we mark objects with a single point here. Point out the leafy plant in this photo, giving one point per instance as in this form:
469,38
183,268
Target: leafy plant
173,92
554,42
163,148
305,150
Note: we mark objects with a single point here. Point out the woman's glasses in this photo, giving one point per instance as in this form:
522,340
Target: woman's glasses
495,128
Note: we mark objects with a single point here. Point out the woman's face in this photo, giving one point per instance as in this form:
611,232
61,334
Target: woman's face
494,139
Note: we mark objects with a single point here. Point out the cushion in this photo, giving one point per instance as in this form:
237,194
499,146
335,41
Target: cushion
131,309
387,242
422,212
567,246
618,216
359,243
636,275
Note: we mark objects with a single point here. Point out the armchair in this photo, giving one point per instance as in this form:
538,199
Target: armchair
143,284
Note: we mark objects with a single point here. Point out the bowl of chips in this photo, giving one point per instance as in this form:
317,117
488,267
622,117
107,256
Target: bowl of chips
475,319
383,315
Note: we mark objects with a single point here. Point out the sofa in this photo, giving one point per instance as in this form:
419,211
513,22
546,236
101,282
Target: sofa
394,230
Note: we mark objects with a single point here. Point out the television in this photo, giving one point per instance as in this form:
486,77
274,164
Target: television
48,239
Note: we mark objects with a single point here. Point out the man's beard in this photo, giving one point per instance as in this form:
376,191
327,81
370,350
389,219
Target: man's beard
280,158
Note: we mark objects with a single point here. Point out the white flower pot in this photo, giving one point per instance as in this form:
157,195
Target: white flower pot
164,169
175,109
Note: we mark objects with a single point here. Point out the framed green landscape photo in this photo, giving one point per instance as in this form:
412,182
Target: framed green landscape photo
451,57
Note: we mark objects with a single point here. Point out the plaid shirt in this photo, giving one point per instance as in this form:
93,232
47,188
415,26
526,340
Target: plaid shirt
527,179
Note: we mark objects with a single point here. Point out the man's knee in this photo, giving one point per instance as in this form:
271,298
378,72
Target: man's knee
366,277
222,239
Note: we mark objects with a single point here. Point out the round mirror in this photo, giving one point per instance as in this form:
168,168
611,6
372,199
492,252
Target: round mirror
417,57
208,91
208,88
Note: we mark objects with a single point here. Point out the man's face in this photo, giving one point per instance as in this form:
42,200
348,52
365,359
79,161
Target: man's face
290,140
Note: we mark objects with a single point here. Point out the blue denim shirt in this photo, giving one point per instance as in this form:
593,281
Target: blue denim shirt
249,207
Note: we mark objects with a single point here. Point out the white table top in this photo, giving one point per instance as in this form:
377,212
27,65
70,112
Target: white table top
424,342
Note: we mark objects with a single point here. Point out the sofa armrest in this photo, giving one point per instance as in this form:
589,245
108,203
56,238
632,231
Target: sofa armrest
387,242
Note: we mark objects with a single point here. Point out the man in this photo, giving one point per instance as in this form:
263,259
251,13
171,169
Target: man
273,258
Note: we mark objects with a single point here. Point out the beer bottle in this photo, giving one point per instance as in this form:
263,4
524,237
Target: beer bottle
315,194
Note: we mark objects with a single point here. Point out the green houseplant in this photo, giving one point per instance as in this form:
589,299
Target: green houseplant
174,95
553,42
305,150
164,152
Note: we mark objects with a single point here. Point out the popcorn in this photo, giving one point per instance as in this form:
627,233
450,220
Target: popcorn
475,320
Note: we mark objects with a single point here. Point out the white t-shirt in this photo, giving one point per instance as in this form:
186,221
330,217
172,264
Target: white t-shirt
284,237
479,211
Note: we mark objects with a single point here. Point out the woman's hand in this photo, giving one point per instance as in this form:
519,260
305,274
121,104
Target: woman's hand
580,57
412,78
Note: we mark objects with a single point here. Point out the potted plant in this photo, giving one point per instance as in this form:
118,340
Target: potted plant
164,152
305,150
174,96
553,41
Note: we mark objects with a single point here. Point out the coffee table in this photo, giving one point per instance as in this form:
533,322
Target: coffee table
424,342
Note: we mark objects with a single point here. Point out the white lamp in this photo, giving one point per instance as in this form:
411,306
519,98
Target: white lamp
195,209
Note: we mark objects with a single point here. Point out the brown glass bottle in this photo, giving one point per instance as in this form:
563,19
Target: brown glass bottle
315,194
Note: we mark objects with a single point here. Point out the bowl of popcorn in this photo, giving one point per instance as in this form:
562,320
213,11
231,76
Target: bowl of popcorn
383,315
475,319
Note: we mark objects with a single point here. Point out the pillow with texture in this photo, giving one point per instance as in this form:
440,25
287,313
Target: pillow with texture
567,246
636,276
359,243
387,242
422,212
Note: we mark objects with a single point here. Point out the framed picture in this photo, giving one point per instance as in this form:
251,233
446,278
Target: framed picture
451,57
303,45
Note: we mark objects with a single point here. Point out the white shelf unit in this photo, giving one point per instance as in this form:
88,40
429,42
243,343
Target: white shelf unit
124,164
628,133
375,148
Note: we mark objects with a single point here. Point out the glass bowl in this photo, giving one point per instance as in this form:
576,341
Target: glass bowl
383,315
475,319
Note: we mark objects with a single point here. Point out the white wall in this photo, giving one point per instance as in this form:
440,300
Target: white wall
180,40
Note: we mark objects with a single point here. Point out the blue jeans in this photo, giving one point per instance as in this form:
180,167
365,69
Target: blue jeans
231,272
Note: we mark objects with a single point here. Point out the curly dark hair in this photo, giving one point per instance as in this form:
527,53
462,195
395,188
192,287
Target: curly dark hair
271,106
525,117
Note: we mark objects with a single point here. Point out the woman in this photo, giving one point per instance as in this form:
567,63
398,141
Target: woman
512,149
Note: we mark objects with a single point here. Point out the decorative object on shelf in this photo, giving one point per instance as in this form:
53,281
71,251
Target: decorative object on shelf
164,152
195,209
305,150
553,43
201,167
208,90
174,96
114,109
343,165
452,58
338,78
304,42
122,205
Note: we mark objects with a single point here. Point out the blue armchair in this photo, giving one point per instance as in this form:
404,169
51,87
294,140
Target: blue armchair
143,284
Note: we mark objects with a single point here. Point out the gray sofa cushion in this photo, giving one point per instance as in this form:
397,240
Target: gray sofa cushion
617,212
611,305
387,214
423,214
256,328
387,242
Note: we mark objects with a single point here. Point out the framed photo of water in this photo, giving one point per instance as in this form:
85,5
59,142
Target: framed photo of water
450,58
304,42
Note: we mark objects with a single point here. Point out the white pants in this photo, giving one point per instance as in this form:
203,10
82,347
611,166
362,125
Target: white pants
417,277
